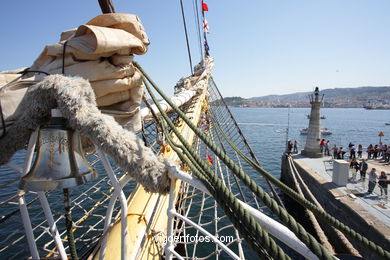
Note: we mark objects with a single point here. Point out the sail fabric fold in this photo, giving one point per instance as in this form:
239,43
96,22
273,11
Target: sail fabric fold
101,51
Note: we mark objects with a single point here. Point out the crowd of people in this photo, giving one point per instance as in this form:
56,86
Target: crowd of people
373,152
373,178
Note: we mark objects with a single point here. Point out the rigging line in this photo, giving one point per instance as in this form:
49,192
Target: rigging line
251,230
196,14
291,223
252,154
186,34
235,177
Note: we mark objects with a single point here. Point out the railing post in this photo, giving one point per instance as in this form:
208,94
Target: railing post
52,224
169,246
22,203
122,199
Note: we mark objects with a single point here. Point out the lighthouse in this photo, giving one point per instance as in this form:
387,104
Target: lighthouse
312,146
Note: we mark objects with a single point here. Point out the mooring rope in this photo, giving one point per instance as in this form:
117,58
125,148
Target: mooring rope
285,217
318,212
248,227
272,204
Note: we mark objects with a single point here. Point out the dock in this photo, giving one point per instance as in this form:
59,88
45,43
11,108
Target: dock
368,214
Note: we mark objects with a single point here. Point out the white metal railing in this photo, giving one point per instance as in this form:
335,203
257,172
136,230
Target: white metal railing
270,225
53,231
273,227
44,203
118,193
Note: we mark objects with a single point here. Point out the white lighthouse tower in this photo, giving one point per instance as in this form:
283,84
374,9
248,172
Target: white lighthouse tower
312,147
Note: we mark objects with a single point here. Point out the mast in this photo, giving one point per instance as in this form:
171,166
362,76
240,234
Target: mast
107,6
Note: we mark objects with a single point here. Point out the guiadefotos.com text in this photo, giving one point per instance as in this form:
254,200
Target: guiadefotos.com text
192,239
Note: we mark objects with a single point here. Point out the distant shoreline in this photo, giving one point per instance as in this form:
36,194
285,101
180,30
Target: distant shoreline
361,97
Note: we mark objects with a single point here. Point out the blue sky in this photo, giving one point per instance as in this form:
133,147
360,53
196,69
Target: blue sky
260,47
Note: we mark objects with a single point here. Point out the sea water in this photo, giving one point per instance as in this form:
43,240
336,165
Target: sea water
267,130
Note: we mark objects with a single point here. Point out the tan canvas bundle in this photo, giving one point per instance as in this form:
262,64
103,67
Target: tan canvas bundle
100,51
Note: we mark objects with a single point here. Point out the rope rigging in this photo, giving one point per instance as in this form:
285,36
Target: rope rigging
309,240
280,212
152,171
186,34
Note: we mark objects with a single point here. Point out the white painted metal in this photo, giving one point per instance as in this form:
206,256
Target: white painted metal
122,199
178,100
209,235
271,226
281,232
108,217
22,203
107,222
52,225
169,247
27,226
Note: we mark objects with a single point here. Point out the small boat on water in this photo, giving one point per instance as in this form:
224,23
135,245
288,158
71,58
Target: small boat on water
322,117
387,123
324,131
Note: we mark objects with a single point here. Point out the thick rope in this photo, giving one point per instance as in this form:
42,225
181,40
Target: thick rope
332,231
316,225
318,212
274,193
76,100
248,227
285,217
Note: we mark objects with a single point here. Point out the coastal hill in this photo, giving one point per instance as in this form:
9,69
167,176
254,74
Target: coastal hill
336,97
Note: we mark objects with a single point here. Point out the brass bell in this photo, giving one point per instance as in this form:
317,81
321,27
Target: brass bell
60,162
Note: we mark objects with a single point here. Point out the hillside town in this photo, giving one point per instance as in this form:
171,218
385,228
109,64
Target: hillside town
365,97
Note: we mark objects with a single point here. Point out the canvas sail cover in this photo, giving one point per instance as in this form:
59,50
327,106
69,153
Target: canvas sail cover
100,51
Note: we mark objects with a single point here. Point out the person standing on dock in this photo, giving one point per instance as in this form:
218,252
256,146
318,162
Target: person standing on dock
295,147
360,151
322,145
289,146
354,165
375,152
352,152
387,154
326,152
335,150
370,149
340,153
383,183
371,180
363,166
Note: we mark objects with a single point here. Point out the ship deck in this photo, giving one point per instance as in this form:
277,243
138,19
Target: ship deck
375,209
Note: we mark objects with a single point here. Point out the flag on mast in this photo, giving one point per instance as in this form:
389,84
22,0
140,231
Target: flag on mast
209,159
205,26
204,7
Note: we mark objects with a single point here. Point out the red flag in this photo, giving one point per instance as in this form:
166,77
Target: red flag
204,7
209,159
